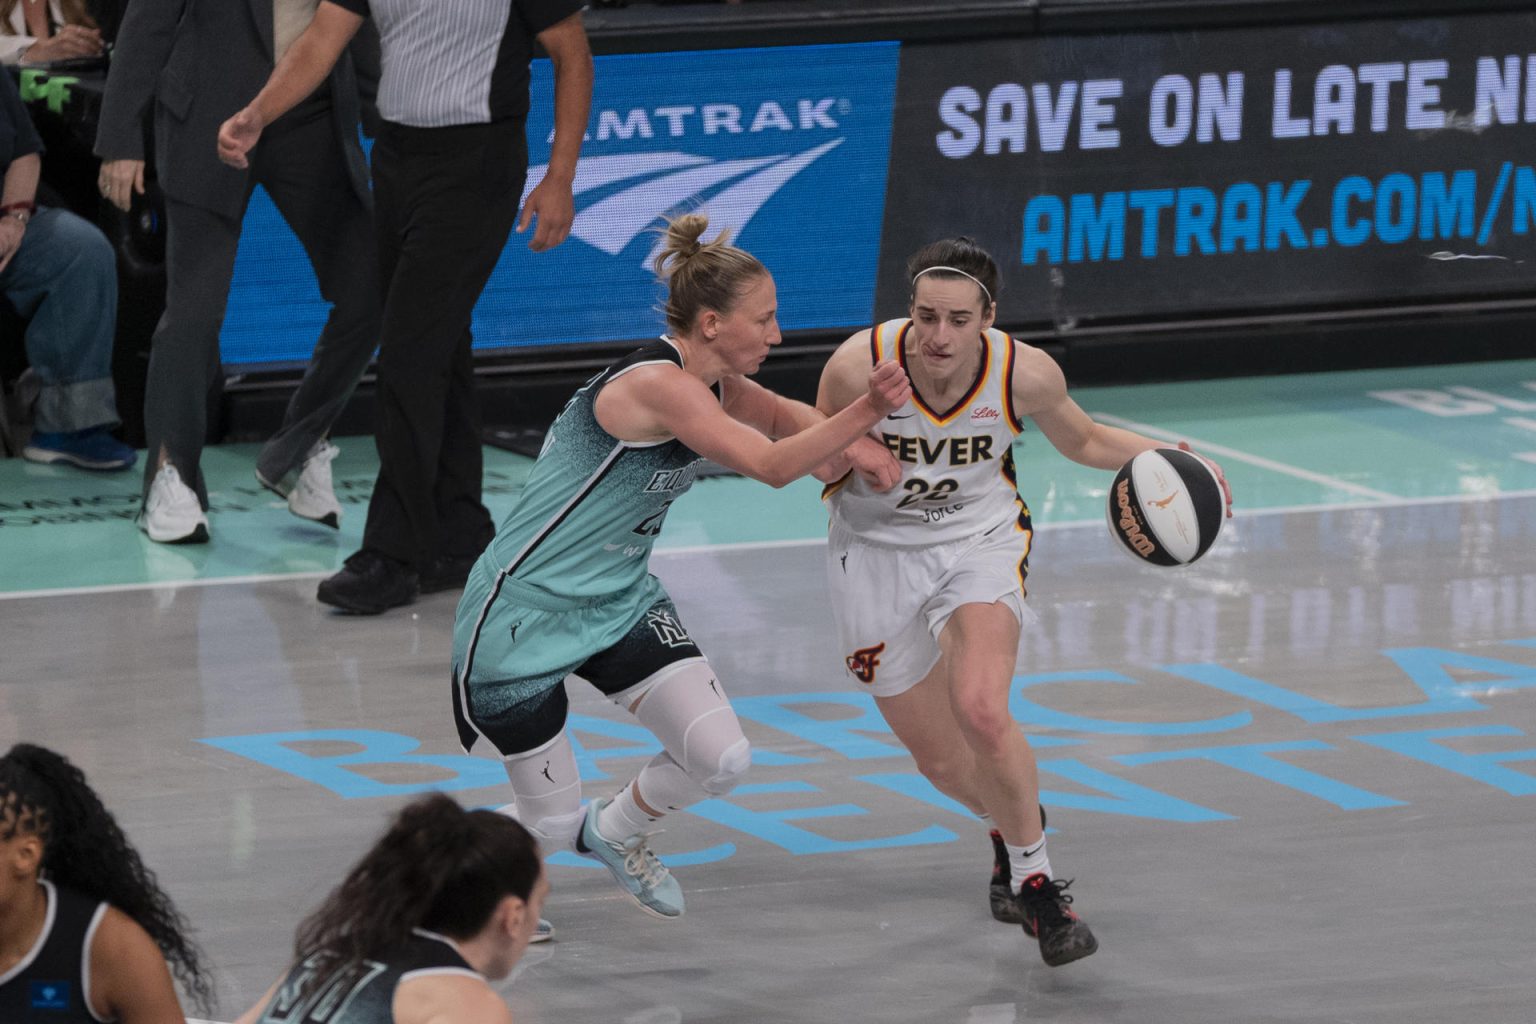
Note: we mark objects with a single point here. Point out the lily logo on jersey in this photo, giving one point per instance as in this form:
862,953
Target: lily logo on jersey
985,414
731,191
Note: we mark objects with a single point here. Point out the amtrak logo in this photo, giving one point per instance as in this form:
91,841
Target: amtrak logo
652,185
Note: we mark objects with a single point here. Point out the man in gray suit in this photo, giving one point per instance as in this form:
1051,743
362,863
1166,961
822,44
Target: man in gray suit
188,65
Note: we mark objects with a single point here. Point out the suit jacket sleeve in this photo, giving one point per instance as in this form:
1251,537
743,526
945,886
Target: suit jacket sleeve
143,47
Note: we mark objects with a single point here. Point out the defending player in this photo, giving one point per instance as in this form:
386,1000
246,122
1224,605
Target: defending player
564,588
928,577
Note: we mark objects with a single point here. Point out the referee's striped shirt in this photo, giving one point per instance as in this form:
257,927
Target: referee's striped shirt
452,62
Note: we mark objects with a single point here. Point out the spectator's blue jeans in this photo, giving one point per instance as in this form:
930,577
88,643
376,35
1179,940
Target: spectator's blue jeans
64,277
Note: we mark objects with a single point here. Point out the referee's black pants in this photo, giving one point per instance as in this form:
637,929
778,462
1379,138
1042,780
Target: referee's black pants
445,200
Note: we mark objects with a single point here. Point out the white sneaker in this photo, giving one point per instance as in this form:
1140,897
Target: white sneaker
542,932
312,496
172,513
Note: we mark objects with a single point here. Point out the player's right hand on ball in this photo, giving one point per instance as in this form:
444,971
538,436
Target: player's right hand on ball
889,388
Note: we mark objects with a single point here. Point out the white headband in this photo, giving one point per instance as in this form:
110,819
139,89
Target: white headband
952,270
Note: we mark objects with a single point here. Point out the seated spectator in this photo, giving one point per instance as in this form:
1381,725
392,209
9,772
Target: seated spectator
59,271
44,31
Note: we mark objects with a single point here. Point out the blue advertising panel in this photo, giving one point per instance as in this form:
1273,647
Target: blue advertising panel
788,147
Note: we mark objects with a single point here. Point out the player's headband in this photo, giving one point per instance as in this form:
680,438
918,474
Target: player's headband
952,270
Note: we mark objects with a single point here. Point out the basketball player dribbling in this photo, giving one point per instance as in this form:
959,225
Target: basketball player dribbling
928,577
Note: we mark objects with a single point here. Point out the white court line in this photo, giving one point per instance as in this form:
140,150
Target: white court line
765,545
214,581
1253,460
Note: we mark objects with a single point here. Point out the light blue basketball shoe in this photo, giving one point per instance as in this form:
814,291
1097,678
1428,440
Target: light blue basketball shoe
634,867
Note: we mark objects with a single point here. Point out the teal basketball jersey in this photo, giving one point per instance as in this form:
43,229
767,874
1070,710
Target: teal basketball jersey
588,517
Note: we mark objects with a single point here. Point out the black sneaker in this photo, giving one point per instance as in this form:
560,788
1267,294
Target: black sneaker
1004,907
448,572
1049,917
369,583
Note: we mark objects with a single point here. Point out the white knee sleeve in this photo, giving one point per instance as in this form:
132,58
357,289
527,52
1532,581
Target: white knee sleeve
707,754
733,764
546,790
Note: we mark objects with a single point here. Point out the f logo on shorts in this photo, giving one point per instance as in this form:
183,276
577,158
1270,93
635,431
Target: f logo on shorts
863,661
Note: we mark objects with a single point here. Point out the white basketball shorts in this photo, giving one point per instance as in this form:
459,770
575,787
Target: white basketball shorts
891,604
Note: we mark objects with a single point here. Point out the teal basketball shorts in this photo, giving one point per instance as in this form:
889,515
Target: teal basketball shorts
514,645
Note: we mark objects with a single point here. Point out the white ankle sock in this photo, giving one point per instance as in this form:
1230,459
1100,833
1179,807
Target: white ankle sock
622,817
1024,861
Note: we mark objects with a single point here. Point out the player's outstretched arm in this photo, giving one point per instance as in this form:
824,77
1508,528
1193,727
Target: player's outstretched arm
778,416
1040,392
843,380
663,401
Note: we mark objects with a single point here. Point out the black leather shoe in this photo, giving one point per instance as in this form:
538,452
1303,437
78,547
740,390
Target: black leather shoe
448,572
369,583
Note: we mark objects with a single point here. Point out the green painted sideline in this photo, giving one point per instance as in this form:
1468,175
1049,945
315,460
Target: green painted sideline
1305,439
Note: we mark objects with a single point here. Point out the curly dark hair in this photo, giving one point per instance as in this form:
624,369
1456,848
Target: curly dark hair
437,867
84,849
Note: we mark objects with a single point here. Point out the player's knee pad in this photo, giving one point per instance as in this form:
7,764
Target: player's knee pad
731,767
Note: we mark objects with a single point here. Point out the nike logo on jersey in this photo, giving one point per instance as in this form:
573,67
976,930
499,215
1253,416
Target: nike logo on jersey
903,416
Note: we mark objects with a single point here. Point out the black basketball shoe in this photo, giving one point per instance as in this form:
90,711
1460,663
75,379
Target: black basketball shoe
1048,916
1004,907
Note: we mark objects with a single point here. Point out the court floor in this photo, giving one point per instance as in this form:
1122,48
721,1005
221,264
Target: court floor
1293,783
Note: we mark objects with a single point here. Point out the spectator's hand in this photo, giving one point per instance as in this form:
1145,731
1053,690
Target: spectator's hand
551,202
70,41
238,136
11,230
119,180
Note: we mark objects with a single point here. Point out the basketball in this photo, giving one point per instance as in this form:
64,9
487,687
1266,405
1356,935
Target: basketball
1166,507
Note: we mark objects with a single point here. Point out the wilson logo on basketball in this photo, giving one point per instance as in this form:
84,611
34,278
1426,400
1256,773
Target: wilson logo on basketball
863,661
1130,527
985,414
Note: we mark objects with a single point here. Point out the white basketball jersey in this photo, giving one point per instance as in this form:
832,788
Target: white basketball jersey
957,475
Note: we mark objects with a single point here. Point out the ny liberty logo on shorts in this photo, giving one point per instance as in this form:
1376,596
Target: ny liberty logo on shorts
862,662
666,627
